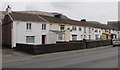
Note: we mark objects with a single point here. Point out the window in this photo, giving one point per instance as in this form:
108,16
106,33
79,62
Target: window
60,37
62,27
29,39
80,28
43,26
74,28
96,37
89,30
81,36
96,30
99,31
84,36
89,36
28,26
84,29
74,37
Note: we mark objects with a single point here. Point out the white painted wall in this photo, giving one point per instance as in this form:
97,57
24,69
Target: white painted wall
52,37
89,31
19,32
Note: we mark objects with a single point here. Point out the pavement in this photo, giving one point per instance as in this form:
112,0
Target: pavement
11,55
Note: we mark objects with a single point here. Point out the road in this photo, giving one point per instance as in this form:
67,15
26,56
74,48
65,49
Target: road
92,58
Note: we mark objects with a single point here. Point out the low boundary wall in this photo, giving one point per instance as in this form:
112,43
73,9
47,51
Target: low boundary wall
59,47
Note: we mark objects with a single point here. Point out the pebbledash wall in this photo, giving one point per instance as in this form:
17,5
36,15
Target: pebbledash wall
19,33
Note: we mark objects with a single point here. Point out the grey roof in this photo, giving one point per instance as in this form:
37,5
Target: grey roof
26,17
37,12
96,22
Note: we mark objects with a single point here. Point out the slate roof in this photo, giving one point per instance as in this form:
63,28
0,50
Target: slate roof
36,17
75,22
26,17
37,12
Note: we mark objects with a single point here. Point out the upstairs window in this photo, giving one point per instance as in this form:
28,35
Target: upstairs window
89,30
96,30
84,29
28,26
74,28
80,28
43,26
62,27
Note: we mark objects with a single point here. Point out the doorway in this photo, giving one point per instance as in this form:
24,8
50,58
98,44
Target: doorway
43,39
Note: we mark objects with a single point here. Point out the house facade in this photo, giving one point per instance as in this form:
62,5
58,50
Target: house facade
25,28
28,28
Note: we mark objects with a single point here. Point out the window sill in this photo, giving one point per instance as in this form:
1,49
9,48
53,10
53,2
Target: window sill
28,30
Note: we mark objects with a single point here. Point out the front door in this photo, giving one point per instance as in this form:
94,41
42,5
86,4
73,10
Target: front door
43,39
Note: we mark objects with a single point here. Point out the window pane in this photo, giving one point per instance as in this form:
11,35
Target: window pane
74,28
74,37
43,26
28,26
62,27
29,39
60,36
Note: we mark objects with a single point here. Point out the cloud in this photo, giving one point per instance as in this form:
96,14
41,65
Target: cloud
100,11
62,5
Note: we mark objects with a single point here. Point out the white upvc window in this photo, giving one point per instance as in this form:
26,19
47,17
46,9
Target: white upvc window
74,37
74,28
84,29
62,27
81,36
85,36
43,26
96,30
60,36
30,39
89,37
28,26
80,29
89,30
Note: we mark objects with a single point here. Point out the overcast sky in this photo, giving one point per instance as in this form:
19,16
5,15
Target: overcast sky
92,11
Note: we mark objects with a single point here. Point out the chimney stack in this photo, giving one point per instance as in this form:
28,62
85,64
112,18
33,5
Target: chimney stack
83,20
8,10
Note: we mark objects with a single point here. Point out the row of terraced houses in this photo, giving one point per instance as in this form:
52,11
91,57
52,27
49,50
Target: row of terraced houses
35,27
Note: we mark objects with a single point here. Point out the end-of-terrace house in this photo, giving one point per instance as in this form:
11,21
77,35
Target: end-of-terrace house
25,28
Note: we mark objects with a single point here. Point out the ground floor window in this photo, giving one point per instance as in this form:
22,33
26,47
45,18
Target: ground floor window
96,37
60,36
74,37
30,39
89,37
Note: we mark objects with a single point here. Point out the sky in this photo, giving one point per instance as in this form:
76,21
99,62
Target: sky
99,10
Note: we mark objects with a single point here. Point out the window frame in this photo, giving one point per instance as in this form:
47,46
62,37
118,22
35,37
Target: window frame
28,26
62,27
44,26
74,28
75,37
30,37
